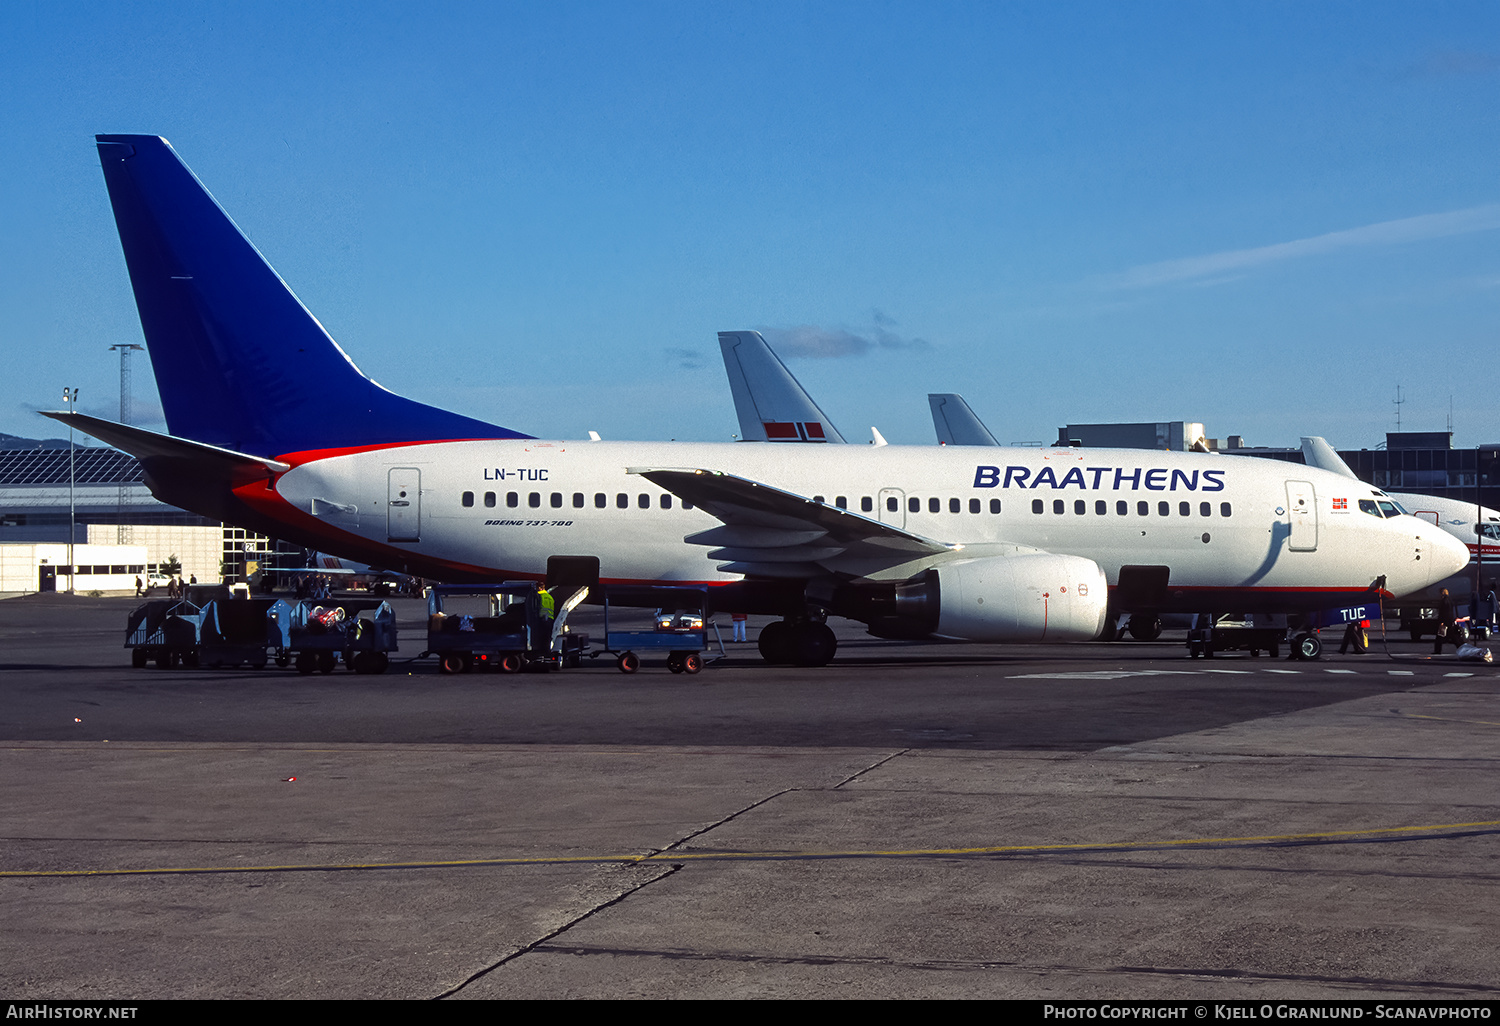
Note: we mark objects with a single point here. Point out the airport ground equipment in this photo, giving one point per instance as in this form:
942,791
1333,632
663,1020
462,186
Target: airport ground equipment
1225,634
165,631
516,635
239,631
314,635
680,629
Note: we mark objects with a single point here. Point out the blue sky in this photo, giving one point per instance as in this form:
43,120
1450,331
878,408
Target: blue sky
1261,216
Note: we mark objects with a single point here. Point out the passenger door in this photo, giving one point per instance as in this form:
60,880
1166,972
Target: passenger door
404,505
1302,508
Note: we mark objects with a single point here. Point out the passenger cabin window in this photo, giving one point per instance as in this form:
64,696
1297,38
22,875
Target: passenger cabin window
489,500
841,501
1101,508
1185,509
1036,505
1122,508
1224,509
819,500
1080,507
914,505
666,502
1164,509
955,506
934,505
866,504
600,500
892,505
512,499
1143,508
974,506
994,505
1205,509
1058,505
557,500
643,500
468,499
578,500
622,501
534,500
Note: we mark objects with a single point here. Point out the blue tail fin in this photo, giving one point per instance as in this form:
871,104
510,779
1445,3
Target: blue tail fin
240,363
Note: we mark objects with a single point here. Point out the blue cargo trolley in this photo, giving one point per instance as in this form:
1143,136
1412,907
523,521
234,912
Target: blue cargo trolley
681,630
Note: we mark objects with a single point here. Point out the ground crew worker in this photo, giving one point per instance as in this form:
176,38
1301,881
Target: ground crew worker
549,607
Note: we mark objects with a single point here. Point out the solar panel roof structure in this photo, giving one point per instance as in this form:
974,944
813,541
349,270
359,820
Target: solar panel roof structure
91,465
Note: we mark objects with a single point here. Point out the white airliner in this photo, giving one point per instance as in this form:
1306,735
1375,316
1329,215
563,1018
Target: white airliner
1476,526
274,428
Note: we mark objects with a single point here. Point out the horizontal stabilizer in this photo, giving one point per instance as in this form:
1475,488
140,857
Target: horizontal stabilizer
148,445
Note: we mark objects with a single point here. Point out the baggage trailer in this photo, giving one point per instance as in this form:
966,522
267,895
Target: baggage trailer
509,631
1209,635
166,631
314,635
236,631
681,631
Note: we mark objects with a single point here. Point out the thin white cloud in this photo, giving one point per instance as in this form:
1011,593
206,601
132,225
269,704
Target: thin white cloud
811,341
1386,233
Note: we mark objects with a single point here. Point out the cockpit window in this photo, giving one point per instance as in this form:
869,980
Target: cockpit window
1490,531
1390,509
1368,506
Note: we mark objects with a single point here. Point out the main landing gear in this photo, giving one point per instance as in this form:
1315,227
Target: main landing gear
801,643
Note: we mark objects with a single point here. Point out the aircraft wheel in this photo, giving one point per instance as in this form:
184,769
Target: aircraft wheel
1308,646
138,658
1144,628
775,642
814,644
628,662
692,662
509,662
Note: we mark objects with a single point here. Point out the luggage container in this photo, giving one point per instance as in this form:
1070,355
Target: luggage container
314,635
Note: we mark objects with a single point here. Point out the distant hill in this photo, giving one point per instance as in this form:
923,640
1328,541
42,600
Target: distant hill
17,442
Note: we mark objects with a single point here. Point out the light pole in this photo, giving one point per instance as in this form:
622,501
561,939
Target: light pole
70,400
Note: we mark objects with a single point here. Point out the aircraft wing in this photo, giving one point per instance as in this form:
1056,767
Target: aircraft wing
770,532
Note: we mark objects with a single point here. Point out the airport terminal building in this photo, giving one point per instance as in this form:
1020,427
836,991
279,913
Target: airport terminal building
119,530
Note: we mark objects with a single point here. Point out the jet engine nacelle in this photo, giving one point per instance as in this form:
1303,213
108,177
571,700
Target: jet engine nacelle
1040,597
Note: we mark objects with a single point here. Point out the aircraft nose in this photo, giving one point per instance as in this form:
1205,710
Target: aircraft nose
1447,556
